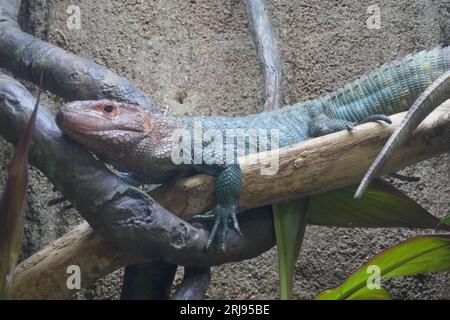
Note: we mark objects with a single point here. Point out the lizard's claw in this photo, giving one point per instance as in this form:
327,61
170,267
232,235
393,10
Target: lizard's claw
207,216
349,127
221,215
235,222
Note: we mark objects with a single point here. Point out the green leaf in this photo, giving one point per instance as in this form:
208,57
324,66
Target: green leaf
12,210
382,205
444,221
371,294
363,294
290,223
423,254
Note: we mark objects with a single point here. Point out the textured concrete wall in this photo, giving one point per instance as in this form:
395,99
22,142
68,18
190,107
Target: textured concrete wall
197,57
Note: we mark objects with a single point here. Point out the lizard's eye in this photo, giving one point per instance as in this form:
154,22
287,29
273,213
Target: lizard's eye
108,108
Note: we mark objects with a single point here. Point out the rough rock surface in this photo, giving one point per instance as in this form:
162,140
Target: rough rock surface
197,57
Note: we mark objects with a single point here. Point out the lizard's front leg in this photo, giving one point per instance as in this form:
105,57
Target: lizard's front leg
228,188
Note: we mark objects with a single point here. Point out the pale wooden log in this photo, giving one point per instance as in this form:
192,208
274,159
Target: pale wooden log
308,168
44,274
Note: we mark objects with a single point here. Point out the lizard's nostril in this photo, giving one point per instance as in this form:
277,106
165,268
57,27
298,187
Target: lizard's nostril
59,117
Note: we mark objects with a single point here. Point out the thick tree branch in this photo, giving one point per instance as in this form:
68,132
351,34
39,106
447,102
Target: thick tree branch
269,56
44,274
65,74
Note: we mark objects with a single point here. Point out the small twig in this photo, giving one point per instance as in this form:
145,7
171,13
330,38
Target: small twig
269,56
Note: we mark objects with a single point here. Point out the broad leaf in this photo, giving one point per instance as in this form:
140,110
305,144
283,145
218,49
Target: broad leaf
382,205
290,223
12,210
371,294
423,254
444,221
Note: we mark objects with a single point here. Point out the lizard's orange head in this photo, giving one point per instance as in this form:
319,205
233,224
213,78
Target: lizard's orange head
108,128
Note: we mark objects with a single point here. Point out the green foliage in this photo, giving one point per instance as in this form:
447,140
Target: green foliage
290,222
381,206
371,294
444,222
12,206
363,294
423,254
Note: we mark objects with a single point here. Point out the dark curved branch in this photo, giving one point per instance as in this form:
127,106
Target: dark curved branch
126,216
65,74
148,281
269,56
194,285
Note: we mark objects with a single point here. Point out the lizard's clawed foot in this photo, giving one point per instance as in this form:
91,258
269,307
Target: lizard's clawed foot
376,117
221,215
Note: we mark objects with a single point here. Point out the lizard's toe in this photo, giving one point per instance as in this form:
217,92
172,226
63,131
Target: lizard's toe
376,117
207,216
235,221
221,215
213,234
223,238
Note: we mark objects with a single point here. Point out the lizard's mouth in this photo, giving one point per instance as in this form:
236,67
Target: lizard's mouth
73,122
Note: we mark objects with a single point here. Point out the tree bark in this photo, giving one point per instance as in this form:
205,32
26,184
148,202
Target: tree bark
44,274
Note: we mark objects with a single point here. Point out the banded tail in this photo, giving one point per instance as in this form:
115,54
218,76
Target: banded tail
430,99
